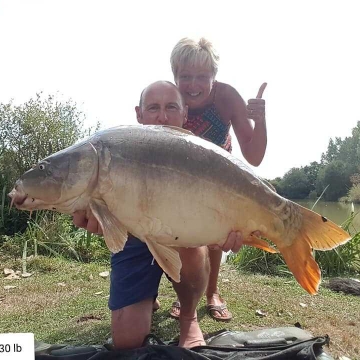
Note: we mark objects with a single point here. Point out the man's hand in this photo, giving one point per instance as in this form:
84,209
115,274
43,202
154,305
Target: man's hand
256,107
86,220
234,242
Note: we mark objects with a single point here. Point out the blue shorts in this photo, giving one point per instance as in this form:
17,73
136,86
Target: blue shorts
135,275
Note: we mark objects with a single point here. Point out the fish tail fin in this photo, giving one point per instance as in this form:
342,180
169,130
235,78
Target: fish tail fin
317,233
321,233
301,263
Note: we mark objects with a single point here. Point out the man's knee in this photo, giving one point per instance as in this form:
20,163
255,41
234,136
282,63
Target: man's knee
194,260
131,324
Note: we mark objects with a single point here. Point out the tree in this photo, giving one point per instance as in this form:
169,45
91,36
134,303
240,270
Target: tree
295,184
336,175
276,183
340,162
34,130
31,132
349,152
355,179
332,151
311,172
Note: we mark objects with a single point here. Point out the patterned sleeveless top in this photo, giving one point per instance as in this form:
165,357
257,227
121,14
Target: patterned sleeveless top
207,124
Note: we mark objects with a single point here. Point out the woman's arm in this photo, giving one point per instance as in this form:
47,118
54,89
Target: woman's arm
252,140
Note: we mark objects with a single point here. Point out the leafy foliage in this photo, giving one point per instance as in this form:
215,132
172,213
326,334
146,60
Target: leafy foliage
295,184
54,234
337,176
258,261
28,133
34,130
339,169
354,193
344,259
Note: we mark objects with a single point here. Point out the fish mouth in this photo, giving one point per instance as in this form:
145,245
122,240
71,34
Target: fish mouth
24,201
18,198
18,201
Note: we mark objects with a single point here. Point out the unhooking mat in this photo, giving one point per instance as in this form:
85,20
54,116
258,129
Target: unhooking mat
268,344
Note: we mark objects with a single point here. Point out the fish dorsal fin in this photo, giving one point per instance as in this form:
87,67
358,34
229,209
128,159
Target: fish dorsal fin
167,257
184,131
115,233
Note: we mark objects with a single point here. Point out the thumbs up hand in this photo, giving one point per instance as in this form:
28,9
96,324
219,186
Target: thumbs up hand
256,107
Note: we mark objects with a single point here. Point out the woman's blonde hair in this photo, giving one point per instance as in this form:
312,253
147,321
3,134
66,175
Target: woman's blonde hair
188,51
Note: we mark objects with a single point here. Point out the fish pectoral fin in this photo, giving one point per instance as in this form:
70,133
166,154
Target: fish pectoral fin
259,243
115,233
167,257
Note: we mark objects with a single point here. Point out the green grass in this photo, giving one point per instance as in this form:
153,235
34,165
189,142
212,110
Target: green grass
40,305
75,314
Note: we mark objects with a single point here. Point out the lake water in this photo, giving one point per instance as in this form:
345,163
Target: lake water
335,211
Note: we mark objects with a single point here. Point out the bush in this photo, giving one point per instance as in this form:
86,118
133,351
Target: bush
53,234
28,133
254,260
354,193
343,260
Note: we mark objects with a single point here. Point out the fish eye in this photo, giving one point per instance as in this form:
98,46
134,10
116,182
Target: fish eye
41,167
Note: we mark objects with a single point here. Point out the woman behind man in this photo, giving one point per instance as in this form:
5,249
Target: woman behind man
212,108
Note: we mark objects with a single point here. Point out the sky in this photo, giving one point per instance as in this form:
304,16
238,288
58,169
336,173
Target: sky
101,54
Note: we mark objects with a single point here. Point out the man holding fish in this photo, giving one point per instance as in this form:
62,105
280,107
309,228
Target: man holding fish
135,277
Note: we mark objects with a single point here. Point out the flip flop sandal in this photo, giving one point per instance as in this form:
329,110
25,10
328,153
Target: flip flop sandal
175,305
221,309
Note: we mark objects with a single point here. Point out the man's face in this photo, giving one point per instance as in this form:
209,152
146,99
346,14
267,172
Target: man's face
161,105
